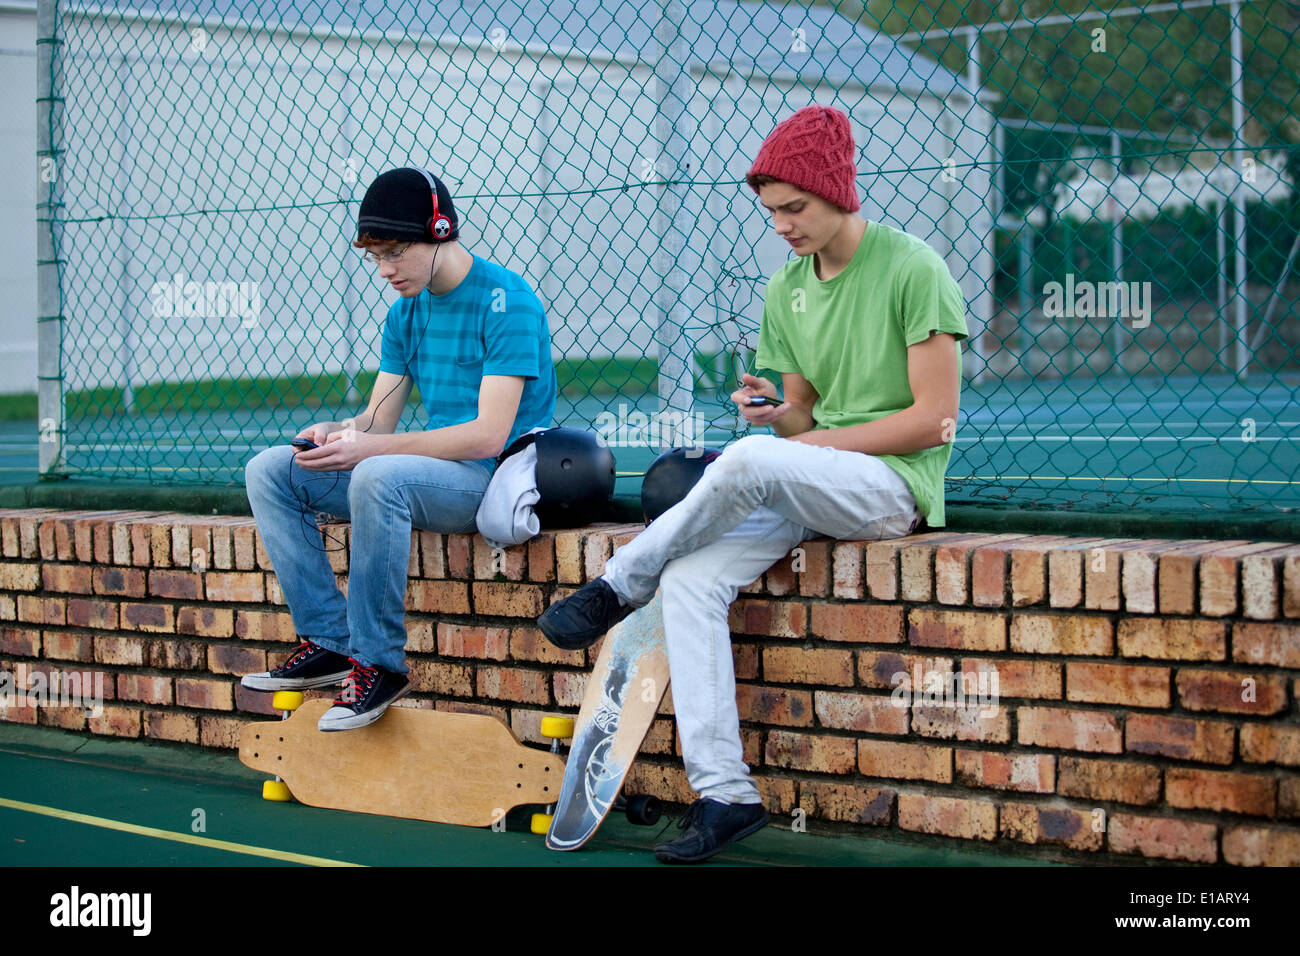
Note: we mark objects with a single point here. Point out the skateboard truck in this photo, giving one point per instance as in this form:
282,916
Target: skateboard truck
285,701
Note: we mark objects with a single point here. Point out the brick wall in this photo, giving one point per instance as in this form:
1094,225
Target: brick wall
1146,690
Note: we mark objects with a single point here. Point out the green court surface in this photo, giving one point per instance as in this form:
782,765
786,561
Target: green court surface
71,801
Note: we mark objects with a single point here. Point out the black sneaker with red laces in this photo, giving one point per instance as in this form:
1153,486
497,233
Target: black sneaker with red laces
309,666
366,694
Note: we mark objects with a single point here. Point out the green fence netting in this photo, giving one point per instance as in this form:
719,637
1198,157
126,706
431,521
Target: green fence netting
1112,186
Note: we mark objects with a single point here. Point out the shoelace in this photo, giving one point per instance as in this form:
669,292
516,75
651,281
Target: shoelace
301,651
691,815
357,684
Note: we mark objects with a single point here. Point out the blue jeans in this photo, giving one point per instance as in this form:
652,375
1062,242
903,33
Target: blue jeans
762,497
384,497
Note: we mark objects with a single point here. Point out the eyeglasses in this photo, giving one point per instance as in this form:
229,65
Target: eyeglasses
376,258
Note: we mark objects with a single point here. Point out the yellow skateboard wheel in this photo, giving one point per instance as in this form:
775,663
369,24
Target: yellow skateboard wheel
557,728
287,700
276,790
541,823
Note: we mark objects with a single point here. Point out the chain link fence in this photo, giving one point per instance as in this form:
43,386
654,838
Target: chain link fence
1113,187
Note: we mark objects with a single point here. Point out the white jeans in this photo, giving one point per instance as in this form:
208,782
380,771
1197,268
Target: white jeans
758,500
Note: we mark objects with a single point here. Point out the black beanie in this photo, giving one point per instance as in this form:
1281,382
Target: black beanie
398,206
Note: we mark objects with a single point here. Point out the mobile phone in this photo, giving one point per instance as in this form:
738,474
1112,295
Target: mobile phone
304,444
764,400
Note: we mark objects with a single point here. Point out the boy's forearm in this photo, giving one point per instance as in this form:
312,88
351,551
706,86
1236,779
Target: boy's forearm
465,442
905,431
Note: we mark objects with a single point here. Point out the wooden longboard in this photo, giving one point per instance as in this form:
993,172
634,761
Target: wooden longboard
467,769
626,686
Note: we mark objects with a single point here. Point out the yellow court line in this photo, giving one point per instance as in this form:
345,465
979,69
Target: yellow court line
169,835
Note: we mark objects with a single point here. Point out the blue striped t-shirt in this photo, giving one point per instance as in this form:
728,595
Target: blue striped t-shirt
492,323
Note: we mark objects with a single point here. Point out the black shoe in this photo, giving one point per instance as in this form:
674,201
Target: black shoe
583,617
710,826
366,694
310,666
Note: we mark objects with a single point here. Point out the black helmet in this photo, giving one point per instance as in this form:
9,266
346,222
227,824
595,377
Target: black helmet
672,475
575,478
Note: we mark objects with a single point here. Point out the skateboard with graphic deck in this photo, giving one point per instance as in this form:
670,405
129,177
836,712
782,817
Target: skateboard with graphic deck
467,769
626,685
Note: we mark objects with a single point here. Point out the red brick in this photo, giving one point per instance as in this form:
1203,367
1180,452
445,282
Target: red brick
468,707
568,557
768,618
1075,634
881,566
528,644
205,621
744,660
1030,773
265,626
1122,684
774,705
1290,586
1065,572
1029,568
1288,797
887,670
569,687
1261,846
796,665
438,597
916,565
1110,780
990,577
1139,574
1263,743
866,713
172,654
1226,691
435,677
141,547
1017,678
24,642
20,577
952,566
8,608
965,630
1219,577
513,683
780,580
66,647
948,816
1275,644
42,610
486,643
220,731
659,780
1163,838
814,753
176,584
1035,823
67,578
122,650
66,718
204,694
1176,577
168,725
903,761
508,600
541,558
815,575
141,687
497,564
847,559
157,618
861,623
224,659
1206,741
115,721
89,613
248,588
1064,729
1190,789
1173,638
847,802
1102,585
991,724
125,582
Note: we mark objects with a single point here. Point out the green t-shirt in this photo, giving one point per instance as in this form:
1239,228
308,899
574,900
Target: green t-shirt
848,336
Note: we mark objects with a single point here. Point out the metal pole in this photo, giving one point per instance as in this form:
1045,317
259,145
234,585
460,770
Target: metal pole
1238,193
347,262
49,316
126,243
672,78
1116,234
1221,274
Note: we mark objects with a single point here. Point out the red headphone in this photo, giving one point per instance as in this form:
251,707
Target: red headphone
439,226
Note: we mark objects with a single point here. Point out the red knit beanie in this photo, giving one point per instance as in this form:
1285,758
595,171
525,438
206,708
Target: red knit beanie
813,151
